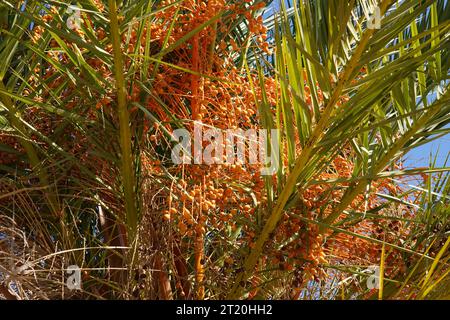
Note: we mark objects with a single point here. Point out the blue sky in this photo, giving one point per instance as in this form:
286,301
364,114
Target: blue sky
419,157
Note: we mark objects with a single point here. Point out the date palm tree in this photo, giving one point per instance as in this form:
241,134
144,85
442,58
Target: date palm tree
363,80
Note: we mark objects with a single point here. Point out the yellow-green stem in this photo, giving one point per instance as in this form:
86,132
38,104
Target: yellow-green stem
127,168
352,192
255,252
